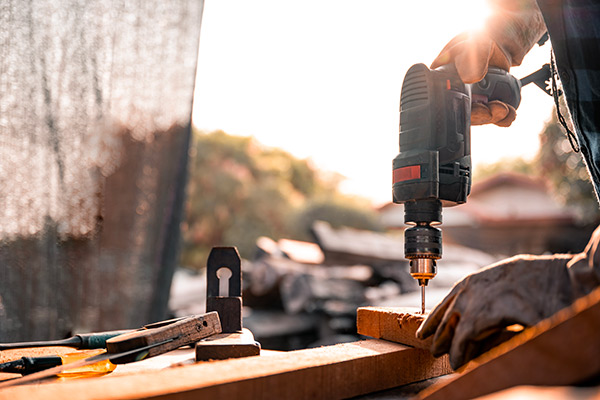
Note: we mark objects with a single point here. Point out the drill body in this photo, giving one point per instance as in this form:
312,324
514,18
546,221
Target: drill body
433,168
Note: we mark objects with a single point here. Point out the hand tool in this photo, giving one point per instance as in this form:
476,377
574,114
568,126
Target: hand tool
149,341
81,341
433,168
30,365
224,295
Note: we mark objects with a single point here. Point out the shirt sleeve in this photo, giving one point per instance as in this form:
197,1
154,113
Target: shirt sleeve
574,29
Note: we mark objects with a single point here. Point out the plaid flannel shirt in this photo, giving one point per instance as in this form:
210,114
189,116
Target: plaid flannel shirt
574,29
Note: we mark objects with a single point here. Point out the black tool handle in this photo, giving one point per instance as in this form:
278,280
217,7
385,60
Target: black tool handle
29,365
497,85
82,341
98,340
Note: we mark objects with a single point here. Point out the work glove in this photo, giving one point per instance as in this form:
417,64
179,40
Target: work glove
521,291
512,30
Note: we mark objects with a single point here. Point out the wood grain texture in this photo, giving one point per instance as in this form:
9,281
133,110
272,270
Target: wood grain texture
227,345
546,393
339,371
230,312
184,332
396,324
561,350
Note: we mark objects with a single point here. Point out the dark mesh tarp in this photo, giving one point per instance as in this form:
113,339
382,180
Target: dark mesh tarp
95,105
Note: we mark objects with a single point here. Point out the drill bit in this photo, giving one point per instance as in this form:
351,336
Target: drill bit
423,269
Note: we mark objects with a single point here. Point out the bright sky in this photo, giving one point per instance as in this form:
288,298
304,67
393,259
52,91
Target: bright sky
321,79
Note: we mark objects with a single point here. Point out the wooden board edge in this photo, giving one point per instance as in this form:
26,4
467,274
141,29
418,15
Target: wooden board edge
396,324
338,371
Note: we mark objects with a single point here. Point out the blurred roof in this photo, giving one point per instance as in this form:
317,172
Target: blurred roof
515,197
296,250
359,245
502,198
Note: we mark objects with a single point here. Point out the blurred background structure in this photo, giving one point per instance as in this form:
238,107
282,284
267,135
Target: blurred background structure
109,194
312,254
95,115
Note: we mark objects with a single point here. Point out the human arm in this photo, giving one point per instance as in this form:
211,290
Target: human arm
509,33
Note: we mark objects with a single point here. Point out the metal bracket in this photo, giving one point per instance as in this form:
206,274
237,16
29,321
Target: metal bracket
540,78
229,305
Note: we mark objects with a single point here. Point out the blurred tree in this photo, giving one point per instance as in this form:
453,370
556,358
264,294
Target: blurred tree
239,190
339,211
566,171
509,164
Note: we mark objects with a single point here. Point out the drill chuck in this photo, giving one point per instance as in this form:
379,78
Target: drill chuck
423,269
422,241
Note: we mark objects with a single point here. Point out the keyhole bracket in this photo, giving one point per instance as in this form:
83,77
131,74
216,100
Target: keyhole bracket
224,287
228,261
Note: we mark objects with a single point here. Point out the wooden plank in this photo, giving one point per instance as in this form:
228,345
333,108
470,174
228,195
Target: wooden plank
545,393
561,350
338,371
227,345
396,324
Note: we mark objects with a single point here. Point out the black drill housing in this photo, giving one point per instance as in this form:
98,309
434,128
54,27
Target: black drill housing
435,144
433,168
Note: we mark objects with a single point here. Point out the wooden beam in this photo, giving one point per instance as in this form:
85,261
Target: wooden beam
560,350
339,371
227,345
396,324
545,393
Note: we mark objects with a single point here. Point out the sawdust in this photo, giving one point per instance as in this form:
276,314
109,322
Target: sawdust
410,322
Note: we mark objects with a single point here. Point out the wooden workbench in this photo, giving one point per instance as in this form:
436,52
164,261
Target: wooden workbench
329,372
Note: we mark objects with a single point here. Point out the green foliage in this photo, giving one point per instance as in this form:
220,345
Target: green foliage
566,171
239,190
338,211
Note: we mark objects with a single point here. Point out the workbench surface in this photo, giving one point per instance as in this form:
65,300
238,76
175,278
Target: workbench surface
339,371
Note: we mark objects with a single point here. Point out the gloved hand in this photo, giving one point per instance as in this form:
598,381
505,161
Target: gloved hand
512,30
520,290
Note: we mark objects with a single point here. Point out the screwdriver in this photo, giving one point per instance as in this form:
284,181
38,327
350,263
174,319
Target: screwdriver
81,341
29,365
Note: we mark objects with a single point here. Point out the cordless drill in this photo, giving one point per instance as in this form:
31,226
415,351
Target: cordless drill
433,168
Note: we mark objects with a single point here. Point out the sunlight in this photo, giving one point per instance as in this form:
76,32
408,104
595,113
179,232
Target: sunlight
331,92
477,12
